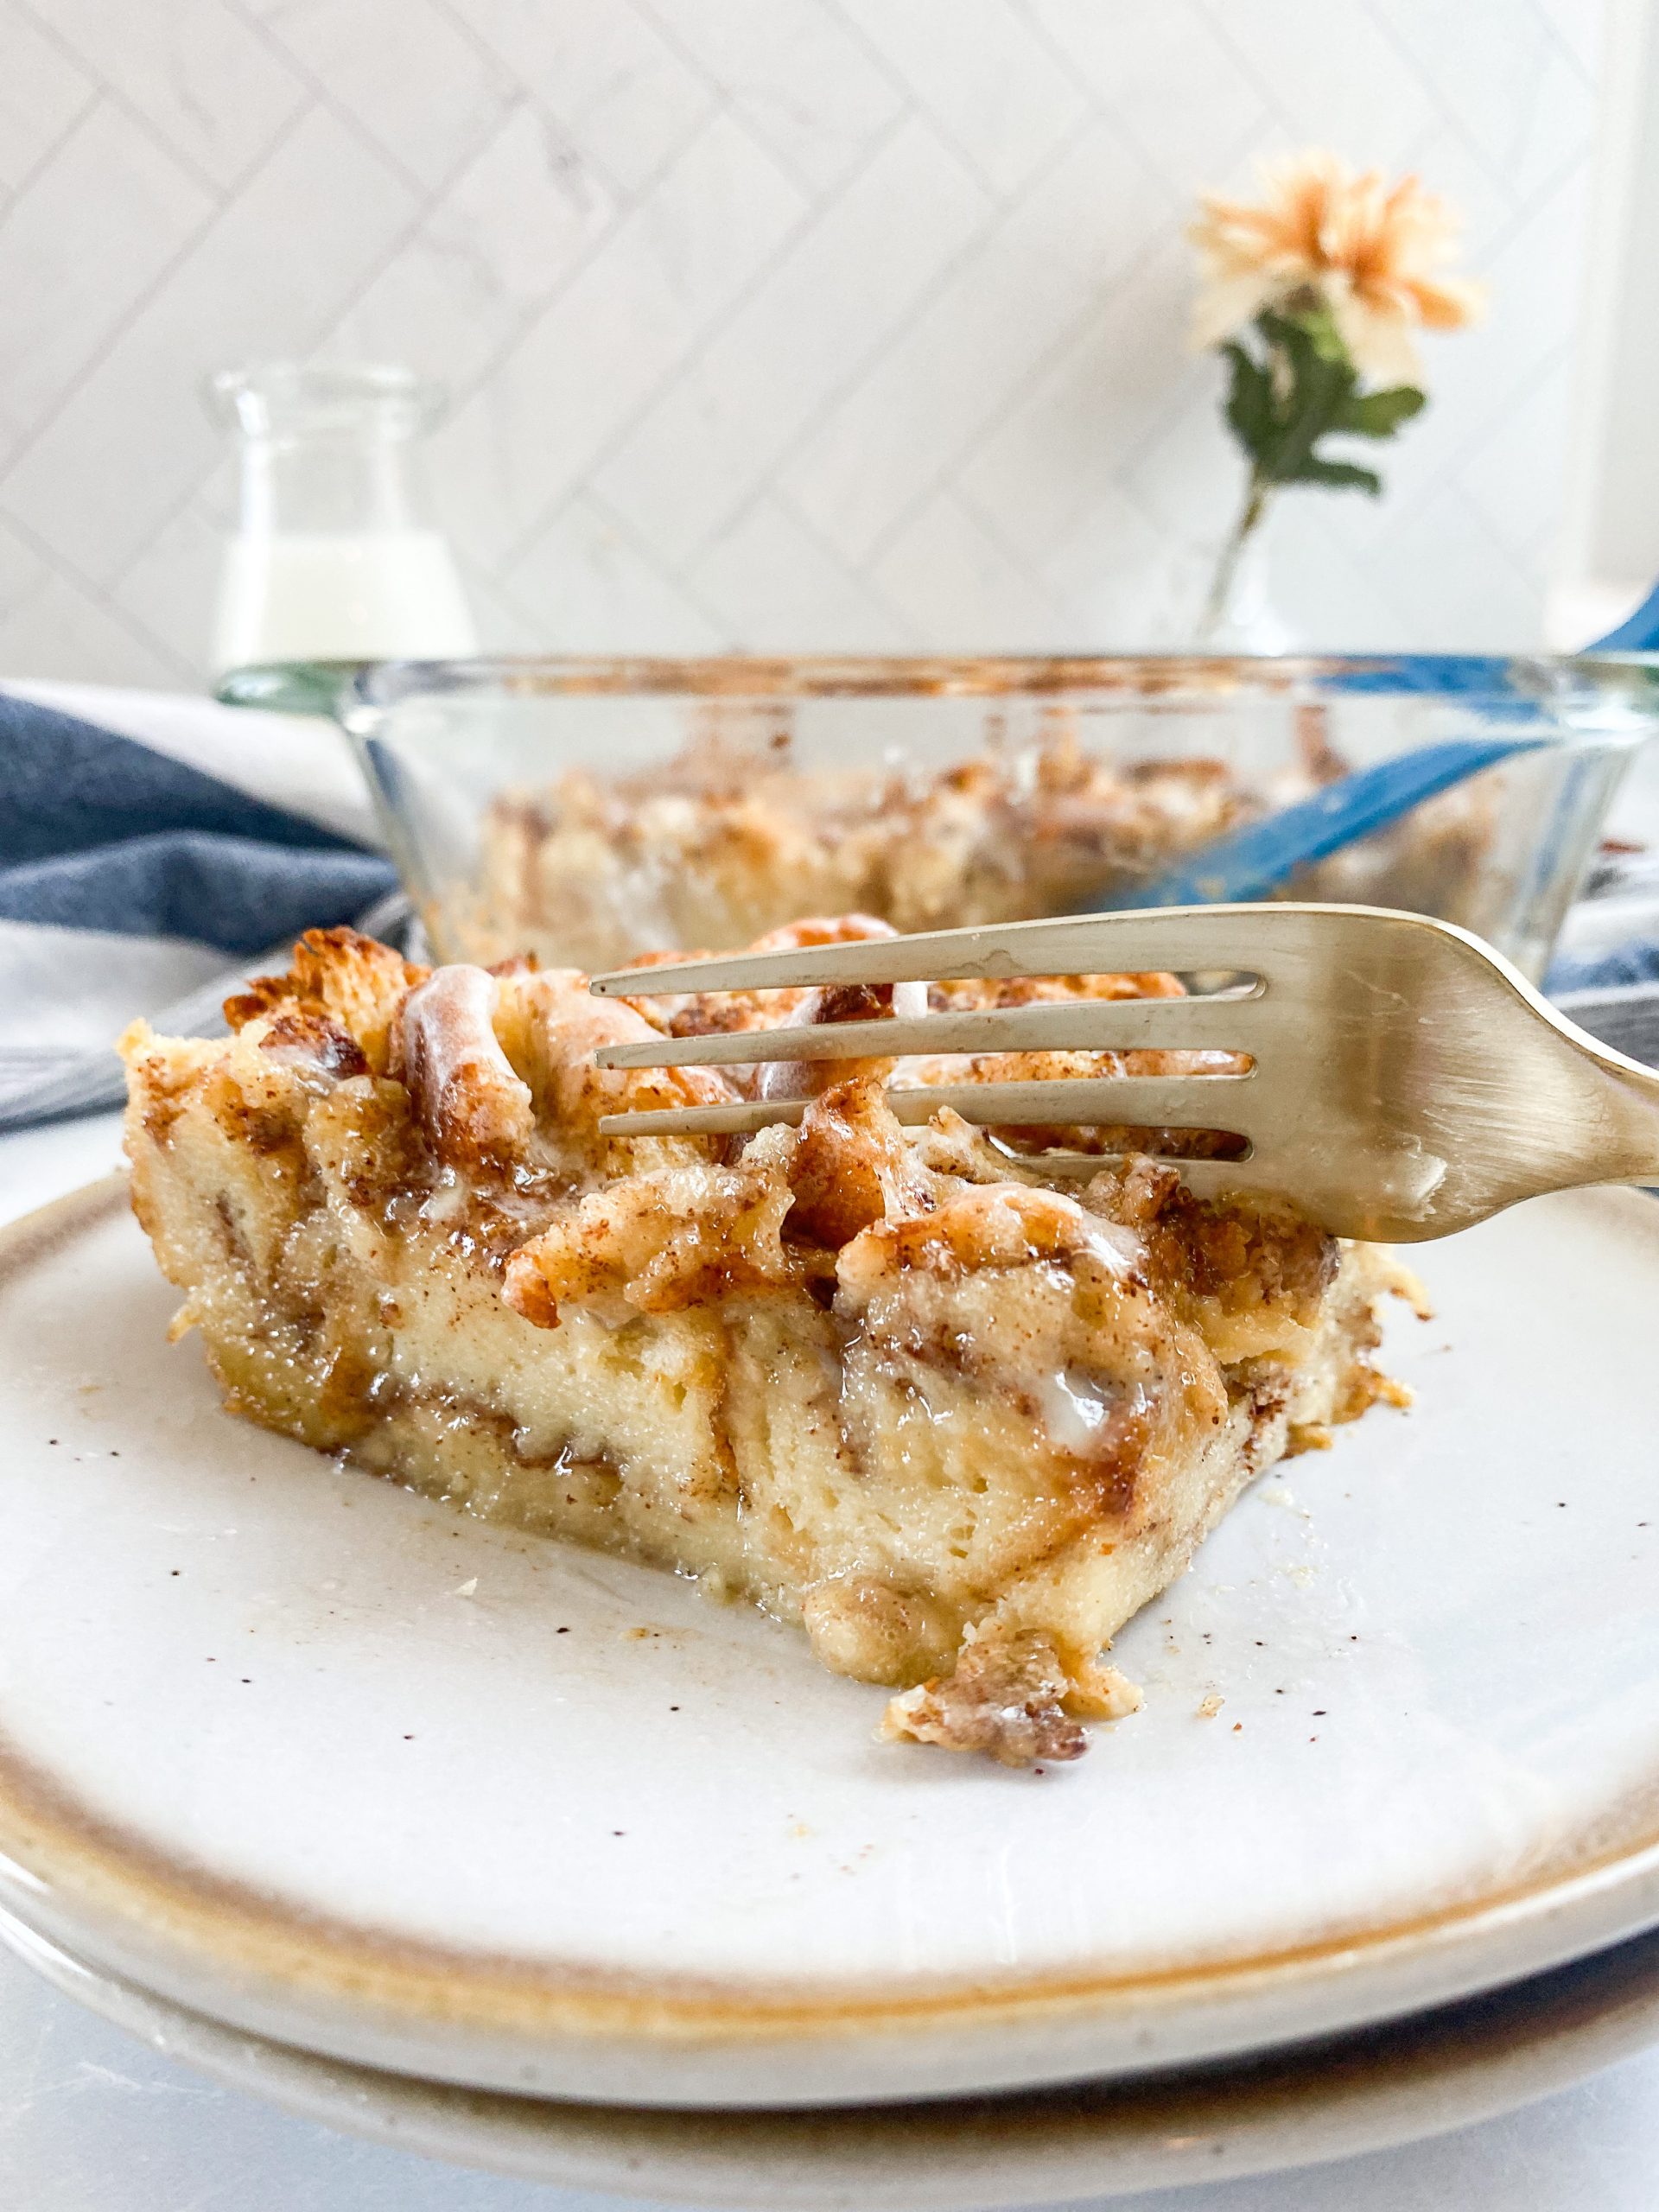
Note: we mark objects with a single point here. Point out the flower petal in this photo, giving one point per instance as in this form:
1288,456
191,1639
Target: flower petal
1378,341
1448,303
1226,305
1373,248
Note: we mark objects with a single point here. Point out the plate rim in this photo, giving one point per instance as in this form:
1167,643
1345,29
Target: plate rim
1430,2075
399,1999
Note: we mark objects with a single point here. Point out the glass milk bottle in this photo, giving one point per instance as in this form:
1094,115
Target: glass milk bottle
333,558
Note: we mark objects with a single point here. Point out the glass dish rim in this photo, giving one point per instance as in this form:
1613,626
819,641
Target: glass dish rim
1549,683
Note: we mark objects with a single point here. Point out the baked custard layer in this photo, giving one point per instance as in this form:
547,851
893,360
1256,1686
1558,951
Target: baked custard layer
893,1384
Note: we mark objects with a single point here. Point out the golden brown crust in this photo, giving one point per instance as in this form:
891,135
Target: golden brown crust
659,1241
851,1167
309,1039
1007,1696
349,979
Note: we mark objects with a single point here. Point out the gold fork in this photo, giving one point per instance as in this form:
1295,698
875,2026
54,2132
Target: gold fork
1401,1079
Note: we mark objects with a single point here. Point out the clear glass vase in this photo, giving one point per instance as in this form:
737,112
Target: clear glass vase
1239,615
334,560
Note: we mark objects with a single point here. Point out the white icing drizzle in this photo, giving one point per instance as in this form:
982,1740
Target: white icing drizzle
576,1024
1075,1409
464,1084
1119,1246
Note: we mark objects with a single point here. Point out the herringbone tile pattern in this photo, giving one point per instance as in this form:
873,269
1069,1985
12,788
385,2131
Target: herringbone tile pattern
814,323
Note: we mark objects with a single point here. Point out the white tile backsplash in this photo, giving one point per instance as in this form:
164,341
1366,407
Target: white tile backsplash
950,573
1065,445
797,74
427,93
581,376
1336,74
1516,500
271,272
194,72
629,99
585,584
771,371
43,91
983,75
170,590
21,571
113,206
1443,562
514,224
772,587
951,373
1318,568
1503,81
1581,26
49,619
1168,81
834,323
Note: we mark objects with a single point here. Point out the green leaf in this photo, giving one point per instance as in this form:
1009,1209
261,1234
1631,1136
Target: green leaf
1249,403
1302,388
1316,386
1339,475
1314,327
1379,414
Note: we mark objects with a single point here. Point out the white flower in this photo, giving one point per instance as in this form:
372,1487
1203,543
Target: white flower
1370,252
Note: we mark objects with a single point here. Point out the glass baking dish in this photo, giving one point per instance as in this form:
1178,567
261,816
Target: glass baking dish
589,810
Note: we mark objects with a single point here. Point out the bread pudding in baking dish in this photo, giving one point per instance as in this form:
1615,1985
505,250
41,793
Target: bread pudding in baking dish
720,843
896,1384
723,840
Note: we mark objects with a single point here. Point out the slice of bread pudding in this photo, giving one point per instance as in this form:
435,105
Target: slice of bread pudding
888,1382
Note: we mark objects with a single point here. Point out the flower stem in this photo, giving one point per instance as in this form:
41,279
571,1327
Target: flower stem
1221,586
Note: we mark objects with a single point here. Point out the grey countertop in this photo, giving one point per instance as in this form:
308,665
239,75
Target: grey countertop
91,2121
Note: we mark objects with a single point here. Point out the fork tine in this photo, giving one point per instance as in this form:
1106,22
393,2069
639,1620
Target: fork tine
1407,1081
1153,938
1135,1100
1073,1024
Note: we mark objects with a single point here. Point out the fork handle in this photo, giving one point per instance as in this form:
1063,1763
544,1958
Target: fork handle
1628,1142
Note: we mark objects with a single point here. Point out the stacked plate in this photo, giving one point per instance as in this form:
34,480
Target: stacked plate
542,1861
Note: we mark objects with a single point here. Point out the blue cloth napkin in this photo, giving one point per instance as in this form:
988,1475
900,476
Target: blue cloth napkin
99,832
132,879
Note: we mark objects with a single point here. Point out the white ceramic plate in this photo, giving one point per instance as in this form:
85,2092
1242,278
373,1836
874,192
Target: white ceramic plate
1467,2062
308,1753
